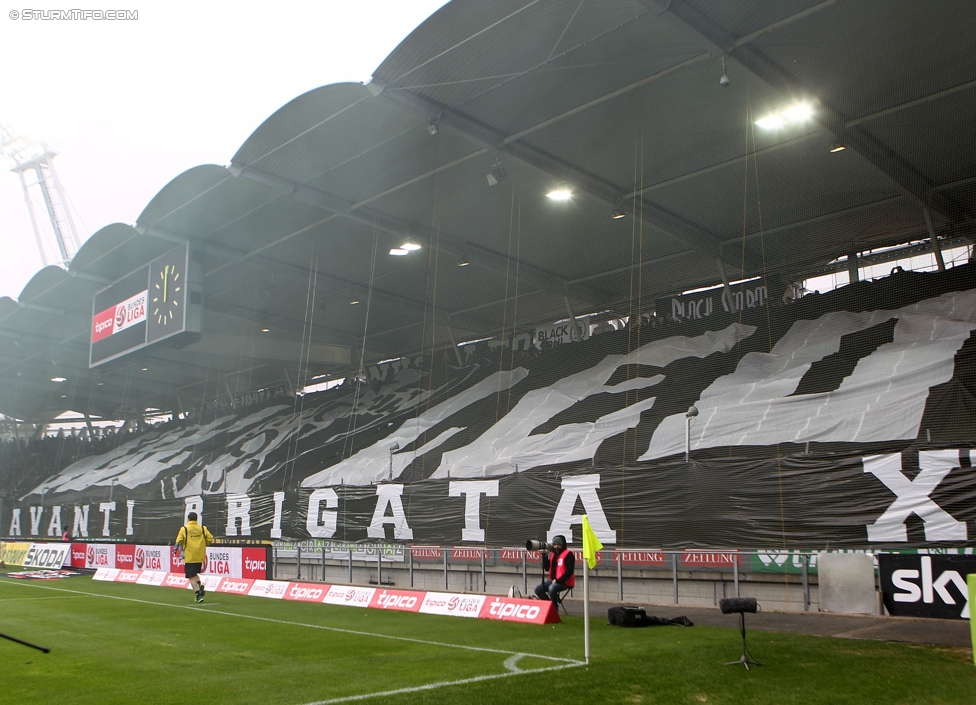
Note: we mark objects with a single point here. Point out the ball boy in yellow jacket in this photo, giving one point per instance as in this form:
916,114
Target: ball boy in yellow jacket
193,539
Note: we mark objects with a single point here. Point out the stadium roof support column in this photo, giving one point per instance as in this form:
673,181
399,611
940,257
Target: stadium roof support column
291,388
852,266
91,429
726,285
936,246
454,343
574,330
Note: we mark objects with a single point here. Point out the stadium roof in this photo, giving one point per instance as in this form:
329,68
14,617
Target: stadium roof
619,101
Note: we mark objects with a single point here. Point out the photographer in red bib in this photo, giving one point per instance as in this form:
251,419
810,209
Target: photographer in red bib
558,566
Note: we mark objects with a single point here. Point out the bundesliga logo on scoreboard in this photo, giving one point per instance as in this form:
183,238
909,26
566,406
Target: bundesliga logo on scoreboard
130,312
119,317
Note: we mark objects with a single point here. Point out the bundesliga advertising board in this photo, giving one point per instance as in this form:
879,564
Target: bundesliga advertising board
250,562
442,603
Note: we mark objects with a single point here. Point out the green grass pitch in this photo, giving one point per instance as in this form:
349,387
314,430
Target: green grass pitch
119,643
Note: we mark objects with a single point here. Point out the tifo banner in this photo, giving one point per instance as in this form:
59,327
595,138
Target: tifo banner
730,507
444,603
841,419
719,301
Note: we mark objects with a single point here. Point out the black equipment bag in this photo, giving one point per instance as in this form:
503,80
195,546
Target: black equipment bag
627,616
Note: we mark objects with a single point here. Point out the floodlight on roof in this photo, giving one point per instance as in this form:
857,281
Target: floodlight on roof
399,252
618,214
560,194
463,262
409,246
59,379
496,174
798,112
837,148
770,122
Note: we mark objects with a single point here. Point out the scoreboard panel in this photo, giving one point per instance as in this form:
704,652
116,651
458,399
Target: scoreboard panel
151,304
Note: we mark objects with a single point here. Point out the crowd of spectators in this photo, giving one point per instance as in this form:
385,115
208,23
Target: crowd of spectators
26,463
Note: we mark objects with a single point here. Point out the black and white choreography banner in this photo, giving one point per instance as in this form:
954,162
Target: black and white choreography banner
711,503
841,420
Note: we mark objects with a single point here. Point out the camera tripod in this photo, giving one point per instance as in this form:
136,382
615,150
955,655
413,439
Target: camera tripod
746,657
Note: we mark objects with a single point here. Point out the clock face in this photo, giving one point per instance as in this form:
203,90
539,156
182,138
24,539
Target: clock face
166,294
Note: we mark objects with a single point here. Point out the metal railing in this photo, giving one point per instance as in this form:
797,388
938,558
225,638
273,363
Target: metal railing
785,580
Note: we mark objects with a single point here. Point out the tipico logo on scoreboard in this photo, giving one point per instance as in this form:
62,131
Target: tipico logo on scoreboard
119,317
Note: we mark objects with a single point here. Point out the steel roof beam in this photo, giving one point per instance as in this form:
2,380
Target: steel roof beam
905,176
241,256
486,258
660,219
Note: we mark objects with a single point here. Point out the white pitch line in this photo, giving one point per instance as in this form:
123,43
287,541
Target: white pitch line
565,662
444,684
29,599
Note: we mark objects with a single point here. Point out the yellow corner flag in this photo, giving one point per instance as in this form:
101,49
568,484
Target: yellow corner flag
591,544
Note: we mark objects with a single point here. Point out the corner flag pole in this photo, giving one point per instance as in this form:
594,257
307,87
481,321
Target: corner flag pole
586,611
591,544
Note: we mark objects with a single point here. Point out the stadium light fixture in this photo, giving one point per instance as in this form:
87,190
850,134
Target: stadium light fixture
354,302
59,379
265,330
796,113
561,193
834,148
496,174
404,249
770,122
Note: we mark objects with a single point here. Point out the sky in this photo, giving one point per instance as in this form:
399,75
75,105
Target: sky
128,105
